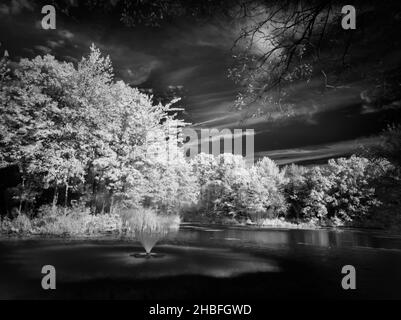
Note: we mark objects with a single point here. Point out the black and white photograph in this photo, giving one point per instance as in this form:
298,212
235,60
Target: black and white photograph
200,158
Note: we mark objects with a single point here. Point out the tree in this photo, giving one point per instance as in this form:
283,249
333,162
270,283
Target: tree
353,194
48,122
74,127
205,167
295,189
230,186
288,49
316,204
4,79
232,189
389,146
342,191
265,194
220,179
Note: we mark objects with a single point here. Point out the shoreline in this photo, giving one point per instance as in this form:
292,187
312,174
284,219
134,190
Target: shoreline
115,235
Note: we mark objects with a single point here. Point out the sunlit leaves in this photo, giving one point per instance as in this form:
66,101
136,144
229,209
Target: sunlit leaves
74,126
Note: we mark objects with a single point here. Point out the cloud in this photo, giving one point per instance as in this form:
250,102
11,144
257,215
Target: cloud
215,34
139,72
55,43
43,49
213,121
180,75
316,152
133,66
64,33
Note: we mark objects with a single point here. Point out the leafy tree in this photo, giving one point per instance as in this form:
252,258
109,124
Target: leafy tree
295,189
204,167
352,190
265,193
319,197
232,189
389,146
342,191
230,186
219,179
73,127
47,122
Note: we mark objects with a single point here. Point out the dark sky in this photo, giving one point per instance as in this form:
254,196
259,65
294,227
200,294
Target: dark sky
194,55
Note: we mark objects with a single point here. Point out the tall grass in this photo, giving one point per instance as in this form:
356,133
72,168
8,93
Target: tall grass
59,221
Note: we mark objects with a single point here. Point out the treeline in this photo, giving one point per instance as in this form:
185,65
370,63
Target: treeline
82,141
76,134
340,192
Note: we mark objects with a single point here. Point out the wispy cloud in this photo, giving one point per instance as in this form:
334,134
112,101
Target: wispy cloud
43,49
317,152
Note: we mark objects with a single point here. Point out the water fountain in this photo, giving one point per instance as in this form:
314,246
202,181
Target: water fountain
148,228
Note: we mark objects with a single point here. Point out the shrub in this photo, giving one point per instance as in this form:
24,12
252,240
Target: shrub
63,221
21,224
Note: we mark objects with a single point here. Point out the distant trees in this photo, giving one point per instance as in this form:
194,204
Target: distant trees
389,146
386,153
230,189
342,191
353,189
266,189
73,128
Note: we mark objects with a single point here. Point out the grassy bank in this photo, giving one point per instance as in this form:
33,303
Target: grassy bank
78,221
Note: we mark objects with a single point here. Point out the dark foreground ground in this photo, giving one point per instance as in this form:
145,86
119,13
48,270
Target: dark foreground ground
206,263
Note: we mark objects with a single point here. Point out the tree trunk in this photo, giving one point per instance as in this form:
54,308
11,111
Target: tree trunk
55,199
66,198
112,204
94,197
21,195
103,203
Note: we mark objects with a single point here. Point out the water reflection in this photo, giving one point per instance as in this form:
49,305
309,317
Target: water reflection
255,262
281,238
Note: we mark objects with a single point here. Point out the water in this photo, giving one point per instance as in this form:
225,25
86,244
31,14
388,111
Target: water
208,262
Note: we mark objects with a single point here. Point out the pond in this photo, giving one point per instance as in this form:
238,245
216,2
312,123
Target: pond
207,262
